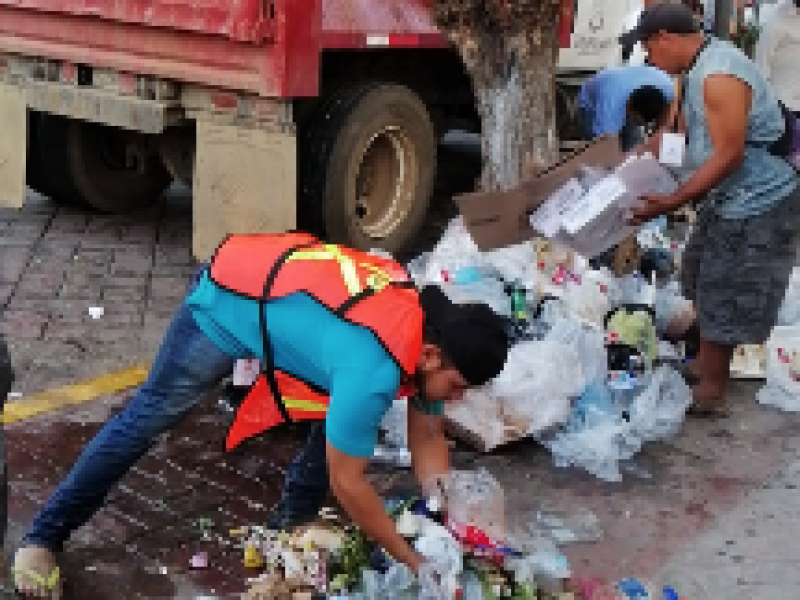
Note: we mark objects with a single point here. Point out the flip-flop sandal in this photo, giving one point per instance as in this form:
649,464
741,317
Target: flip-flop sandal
49,583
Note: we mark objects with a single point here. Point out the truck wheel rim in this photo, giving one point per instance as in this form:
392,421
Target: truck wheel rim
385,181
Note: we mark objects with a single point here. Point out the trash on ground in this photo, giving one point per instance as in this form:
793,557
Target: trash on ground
566,528
782,388
585,343
199,561
96,311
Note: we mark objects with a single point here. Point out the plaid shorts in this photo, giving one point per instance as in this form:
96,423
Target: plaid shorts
736,271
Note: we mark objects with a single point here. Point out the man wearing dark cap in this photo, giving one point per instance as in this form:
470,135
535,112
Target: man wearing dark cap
737,265
340,334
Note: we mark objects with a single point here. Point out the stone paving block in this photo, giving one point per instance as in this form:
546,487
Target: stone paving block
6,292
13,260
23,324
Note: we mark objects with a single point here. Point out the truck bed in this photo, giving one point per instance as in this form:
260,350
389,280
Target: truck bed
269,47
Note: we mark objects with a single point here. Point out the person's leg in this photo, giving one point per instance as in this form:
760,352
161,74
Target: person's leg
187,366
742,279
714,365
305,486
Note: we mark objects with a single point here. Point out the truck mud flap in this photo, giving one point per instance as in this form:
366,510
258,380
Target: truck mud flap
14,119
244,182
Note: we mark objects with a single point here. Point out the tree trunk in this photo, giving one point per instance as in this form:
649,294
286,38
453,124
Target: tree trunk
510,48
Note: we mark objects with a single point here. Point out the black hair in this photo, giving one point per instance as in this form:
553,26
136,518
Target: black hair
649,103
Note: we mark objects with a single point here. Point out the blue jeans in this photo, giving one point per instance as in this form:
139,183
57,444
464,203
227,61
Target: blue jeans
188,365
305,485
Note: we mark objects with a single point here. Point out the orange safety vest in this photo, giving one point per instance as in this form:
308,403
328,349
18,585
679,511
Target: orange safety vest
363,289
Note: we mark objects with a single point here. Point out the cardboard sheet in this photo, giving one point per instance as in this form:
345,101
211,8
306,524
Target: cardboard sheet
497,219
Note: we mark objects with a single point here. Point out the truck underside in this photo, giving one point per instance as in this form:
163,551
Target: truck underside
275,124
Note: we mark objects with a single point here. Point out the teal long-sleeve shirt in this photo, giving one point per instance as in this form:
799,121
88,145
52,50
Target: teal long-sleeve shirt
312,343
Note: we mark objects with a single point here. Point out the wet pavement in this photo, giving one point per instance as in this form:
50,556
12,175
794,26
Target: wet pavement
713,512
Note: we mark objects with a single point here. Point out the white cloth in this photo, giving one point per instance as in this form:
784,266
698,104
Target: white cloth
777,51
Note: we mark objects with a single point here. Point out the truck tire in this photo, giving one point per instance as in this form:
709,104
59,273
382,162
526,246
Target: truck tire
368,161
39,167
88,165
34,175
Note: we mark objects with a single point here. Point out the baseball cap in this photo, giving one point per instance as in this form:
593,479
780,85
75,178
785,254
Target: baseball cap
471,336
672,18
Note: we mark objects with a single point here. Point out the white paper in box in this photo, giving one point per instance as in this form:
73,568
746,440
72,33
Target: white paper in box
597,219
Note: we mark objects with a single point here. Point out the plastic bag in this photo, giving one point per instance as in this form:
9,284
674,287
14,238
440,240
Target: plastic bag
658,412
487,291
674,313
790,309
532,393
476,499
587,299
400,583
538,382
782,388
480,415
636,328
395,424
563,528
598,439
456,251
588,343
632,289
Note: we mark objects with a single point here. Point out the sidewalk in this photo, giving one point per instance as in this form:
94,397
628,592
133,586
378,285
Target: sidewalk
715,515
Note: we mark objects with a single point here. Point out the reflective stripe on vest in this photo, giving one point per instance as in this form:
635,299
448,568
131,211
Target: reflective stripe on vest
366,290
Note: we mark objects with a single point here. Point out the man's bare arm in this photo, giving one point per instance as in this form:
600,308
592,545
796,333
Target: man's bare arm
430,454
363,504
727,103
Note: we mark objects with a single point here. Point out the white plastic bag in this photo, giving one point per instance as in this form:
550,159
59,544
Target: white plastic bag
395,424
674,313
782,389
599,444
790,309
456,250
486,291
532,393
658,412
538,383
589,344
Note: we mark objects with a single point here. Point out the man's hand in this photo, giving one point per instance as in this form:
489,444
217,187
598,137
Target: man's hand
653,206
365,506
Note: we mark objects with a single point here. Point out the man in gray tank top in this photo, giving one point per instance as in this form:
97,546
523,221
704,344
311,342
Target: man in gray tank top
737,265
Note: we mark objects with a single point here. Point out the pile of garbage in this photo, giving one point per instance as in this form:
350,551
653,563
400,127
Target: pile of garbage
463,536
590,371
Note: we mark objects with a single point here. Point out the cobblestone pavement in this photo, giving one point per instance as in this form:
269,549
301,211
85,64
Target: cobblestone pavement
713,512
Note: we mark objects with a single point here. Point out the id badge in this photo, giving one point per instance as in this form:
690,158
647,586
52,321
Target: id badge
673,149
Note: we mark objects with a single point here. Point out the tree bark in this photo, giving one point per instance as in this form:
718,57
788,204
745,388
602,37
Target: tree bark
510,49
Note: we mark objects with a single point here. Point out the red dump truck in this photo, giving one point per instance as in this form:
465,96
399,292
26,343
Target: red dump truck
279,113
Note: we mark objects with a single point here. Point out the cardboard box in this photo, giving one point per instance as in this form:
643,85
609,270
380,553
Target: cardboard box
497,219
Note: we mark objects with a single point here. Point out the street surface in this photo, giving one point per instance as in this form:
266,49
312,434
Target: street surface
714,512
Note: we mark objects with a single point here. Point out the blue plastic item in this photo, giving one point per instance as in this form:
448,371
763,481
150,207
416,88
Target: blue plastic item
670,594
466,275
633,589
